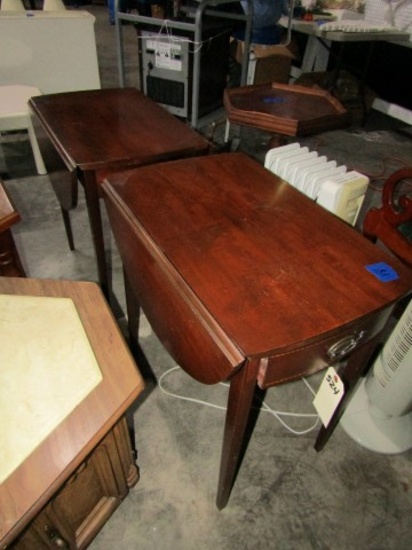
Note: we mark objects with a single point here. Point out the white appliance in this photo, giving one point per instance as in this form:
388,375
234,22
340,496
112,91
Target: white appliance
340,191
52,50
379,416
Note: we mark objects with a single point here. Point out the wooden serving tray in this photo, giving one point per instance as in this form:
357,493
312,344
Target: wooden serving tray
287,109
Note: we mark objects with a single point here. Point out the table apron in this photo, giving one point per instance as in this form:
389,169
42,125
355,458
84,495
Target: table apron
311,358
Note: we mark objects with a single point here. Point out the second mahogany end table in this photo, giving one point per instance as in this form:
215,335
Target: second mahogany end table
101,131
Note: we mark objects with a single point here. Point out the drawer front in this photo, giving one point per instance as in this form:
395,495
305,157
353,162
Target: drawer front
333,348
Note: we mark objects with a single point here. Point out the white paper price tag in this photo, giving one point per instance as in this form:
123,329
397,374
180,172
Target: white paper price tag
329,395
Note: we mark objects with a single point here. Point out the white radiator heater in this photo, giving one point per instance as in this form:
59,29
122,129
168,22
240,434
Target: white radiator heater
379,415
334,187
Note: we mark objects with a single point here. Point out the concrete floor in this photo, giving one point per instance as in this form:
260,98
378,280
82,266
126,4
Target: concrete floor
286,495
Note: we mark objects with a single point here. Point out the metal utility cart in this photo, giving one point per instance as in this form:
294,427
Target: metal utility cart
195,26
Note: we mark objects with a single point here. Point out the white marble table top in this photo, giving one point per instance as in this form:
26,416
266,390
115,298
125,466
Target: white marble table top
47,367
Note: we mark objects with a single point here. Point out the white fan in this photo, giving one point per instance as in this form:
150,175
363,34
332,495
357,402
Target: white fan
379,416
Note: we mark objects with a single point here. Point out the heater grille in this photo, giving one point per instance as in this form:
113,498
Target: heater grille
334,187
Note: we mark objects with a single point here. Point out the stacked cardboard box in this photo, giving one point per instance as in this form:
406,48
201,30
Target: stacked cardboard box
271,63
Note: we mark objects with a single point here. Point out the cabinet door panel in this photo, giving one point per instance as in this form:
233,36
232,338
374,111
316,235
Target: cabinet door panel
76,513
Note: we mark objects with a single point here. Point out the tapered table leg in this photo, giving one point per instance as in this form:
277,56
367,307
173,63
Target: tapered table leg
133,314
242,387
96,226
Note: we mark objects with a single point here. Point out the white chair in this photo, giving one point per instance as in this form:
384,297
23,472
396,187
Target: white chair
53,5
15,115
12,5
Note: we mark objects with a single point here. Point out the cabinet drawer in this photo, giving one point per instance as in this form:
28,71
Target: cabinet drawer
330,350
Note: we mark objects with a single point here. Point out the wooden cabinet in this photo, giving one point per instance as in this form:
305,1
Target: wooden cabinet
62,479
76,513
10,264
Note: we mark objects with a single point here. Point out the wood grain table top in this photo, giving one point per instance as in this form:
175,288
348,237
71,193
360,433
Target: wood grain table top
287,109
113,128
253,254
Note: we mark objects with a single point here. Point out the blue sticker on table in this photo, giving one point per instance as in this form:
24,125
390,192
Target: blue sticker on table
383,272
273,99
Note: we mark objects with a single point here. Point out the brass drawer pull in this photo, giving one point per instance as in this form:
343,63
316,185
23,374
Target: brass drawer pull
341,348
55,538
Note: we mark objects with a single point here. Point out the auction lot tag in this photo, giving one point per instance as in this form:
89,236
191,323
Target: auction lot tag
329,395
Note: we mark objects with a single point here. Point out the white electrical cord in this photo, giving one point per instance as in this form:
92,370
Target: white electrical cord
165,35
173,40
266,408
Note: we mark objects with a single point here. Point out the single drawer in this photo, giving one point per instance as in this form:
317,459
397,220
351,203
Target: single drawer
332,348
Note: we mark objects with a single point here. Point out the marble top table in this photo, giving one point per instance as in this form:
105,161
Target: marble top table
72,378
